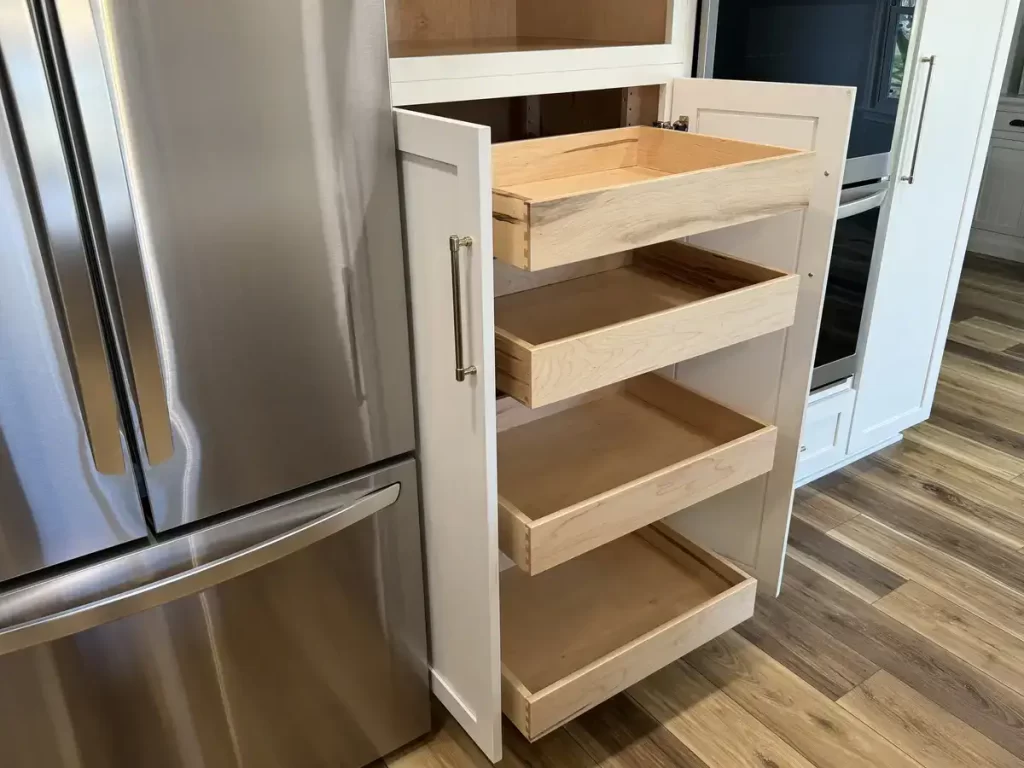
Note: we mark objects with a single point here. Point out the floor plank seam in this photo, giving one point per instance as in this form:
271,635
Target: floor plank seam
839,703
976,571
789,740
911,656
967,661
967,728
753,714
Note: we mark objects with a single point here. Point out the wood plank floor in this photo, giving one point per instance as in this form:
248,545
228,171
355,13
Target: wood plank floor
898,639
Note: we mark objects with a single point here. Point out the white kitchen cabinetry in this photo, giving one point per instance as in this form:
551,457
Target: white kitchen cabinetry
613,409
826,430
999,218
926,223
445,169
1001,199
767,378
615,490
576,484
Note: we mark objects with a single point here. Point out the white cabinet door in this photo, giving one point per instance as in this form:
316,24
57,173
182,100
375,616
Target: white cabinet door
926,227
826,430
768,377
1001,199
446,187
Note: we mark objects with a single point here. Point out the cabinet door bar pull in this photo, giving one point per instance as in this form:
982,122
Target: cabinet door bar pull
456,244
930,61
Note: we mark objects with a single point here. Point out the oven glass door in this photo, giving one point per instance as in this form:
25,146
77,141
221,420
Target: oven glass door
845,293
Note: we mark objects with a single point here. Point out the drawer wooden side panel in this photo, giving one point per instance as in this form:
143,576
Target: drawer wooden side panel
536,546
568,367
574,696
586,226
511,229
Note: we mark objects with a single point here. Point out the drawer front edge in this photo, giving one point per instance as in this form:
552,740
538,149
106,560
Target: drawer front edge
578,693
585,226
511,230
582,363
563,536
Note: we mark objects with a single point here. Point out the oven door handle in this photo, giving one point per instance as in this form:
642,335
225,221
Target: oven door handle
857,205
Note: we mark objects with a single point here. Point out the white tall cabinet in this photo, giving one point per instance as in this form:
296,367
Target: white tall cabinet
938,163
614,330
954,92
999,218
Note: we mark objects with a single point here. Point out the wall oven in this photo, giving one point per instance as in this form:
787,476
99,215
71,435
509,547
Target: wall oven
860,43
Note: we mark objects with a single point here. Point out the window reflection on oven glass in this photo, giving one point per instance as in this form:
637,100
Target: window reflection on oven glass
847,287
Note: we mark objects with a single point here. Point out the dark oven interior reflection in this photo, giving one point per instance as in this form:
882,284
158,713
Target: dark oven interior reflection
845,293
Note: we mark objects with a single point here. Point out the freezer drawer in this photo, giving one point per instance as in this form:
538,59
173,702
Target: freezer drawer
294,635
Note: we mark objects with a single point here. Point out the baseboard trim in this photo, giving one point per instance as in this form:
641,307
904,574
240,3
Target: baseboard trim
998,245
848,459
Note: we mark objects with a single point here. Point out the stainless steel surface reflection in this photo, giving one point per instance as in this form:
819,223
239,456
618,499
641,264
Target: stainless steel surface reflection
64,487
248,227
315,659
203,321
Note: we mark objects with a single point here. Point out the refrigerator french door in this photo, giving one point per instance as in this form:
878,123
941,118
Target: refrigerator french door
204,356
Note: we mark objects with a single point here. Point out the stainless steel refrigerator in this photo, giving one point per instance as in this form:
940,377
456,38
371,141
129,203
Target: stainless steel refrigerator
209,529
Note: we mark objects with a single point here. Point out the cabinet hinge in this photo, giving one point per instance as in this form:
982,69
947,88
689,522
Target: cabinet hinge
681,124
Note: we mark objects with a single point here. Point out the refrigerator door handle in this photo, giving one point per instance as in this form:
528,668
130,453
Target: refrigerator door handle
19,635
47,178
112,225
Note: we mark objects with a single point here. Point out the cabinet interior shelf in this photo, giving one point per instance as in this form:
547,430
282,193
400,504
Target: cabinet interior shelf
454,27
402,49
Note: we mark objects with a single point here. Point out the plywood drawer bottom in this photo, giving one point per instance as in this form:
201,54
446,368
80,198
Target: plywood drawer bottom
580,633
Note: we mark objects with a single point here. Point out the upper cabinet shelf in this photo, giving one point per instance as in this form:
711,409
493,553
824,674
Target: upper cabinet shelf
565,199
454,50
402,49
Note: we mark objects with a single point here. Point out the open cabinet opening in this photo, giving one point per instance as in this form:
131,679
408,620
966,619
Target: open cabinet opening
555,114
455,27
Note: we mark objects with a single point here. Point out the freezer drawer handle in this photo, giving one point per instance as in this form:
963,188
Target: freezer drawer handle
455,245
930,61
18,636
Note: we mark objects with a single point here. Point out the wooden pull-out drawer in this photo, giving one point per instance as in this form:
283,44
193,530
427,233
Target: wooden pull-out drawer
672,303
582,632
582,473
569,198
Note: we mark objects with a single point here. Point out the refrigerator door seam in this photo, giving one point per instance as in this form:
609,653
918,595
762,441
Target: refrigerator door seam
58,218
140,358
